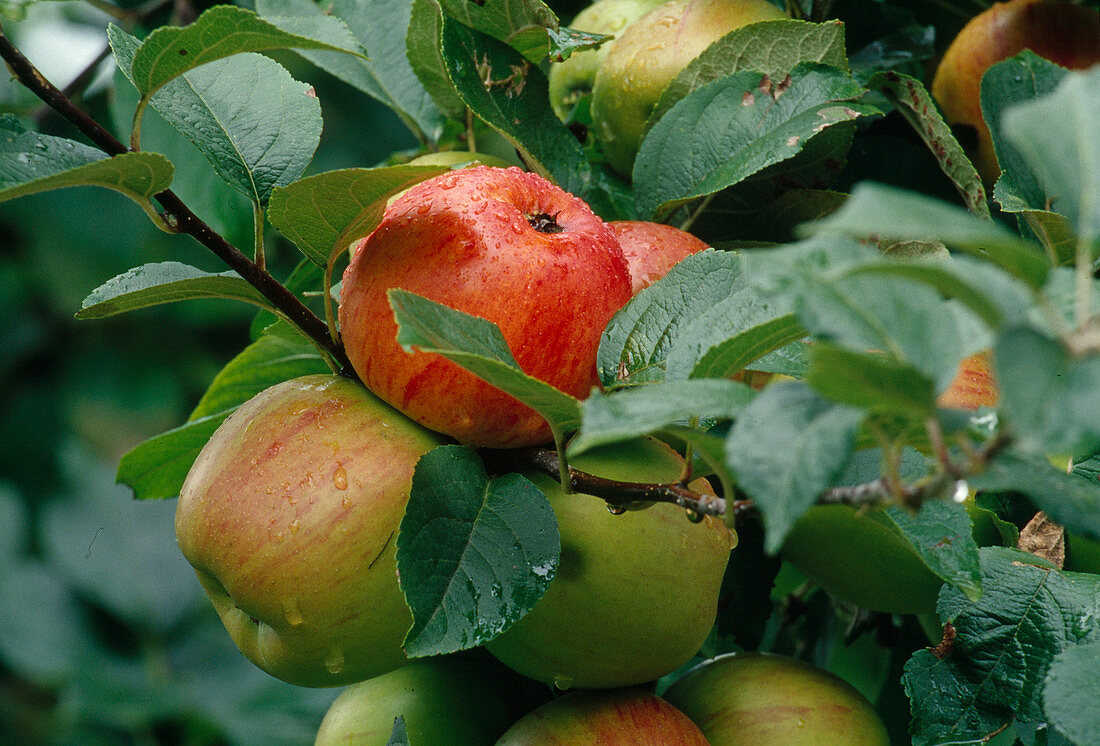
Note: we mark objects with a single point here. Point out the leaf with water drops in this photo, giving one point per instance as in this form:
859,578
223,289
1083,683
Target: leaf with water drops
474,554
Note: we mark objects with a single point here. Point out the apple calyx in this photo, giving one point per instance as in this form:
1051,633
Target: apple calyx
544,223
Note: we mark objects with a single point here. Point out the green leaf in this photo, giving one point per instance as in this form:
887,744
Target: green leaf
423,43
786,448
165,282
870,381
474,554
31,163
380,27
993,672
639,411
941,533
915,104
328,212
512,96
730,129
522,24
1072,691
156,468
1054,136
1069,499
256,125
1050,397
639,338
875,211
478,346
773,48
219,32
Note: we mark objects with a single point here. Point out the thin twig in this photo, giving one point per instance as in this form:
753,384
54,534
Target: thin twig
177,214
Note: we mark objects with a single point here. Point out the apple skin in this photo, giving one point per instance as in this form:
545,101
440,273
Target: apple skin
974,385
652,249
289,517
572,78
745,699
465,239
619,717
449,700
635,595
859,558
1064,33
648,56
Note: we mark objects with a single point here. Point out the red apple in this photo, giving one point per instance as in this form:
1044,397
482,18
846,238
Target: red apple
635,595
501,244
973,386
1061,32
652,249
451,700
620,717
289,517
747,699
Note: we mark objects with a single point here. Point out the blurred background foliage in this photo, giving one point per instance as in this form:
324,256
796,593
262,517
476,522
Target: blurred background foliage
105,636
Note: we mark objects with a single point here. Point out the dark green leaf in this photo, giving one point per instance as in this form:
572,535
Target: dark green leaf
474,554
1069,499
770,47
870,381
380,27
478,346
730,129
994,670
1054,135
327,212
256,125
32,163
638,411
512,96
156,468
912,100
883,212
1050,396
522,24
219,32
786,448
165,282
1072,691
423,43
639,338
942,535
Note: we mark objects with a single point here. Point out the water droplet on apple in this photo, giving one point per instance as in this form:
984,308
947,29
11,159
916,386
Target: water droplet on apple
293,613
694,516
346,503
615,509
279,536
293,526
563,682
334,662
340,478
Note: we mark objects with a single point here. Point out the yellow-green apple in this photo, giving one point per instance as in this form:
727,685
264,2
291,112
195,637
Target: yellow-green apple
746,699
1082,553
619,717
453,159
572,79
289,517
652,249
635,594
1062,32
973,386
645,59
451,700
861,558
502,244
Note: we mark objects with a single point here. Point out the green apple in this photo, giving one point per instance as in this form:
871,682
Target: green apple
635,594
747,699
502,244
450,700
619,717
289,517
648,56
1082,554
861,558
572,79
652,249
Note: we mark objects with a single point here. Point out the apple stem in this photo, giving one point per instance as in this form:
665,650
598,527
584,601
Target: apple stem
176,213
